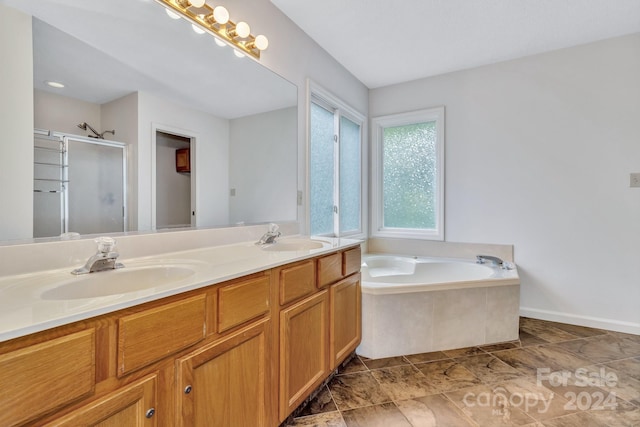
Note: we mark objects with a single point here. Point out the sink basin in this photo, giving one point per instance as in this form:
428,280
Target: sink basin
294,245
120,281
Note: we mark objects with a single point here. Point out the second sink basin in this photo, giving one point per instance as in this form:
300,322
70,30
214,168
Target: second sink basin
120,281
294,245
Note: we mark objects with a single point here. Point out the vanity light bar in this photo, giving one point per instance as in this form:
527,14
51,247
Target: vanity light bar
216,21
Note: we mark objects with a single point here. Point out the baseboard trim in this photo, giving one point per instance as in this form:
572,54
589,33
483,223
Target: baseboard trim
575,319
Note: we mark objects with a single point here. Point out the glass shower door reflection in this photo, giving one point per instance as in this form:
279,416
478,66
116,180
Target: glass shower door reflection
96,186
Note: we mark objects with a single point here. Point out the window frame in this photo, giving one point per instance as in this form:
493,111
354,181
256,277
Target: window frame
378,124
327,100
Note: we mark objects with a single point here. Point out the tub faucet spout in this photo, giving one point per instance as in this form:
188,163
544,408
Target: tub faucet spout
493,259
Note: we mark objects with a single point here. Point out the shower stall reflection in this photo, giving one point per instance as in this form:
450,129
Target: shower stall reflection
79,185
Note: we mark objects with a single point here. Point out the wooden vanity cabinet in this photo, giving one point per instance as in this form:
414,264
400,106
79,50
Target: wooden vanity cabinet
319,328
240,353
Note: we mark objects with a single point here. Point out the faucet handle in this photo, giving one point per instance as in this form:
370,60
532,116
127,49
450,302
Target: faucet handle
105,244
273,228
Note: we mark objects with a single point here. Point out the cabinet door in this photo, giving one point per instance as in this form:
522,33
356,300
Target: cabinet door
346,318
131,406
37,379
304,350
224,384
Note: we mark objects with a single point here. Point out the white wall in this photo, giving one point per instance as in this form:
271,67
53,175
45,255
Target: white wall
538,154
16,122
211,154
122,115
63,114
263,167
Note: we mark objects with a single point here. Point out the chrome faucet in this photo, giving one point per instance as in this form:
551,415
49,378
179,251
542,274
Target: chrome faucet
270,236
481,259
104,259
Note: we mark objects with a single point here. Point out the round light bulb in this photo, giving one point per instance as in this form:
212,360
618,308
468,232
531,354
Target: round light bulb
261,42
242,29
238,53
221,14
197,29
220,42
172,14
197,3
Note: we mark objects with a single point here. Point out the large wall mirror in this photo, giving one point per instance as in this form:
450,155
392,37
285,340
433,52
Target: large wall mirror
162,87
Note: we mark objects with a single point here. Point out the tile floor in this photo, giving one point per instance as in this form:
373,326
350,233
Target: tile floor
555,375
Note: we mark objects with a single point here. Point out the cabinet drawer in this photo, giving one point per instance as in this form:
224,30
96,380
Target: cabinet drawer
132,405
45,376
297,281
241,302
153,334
351,261
329,269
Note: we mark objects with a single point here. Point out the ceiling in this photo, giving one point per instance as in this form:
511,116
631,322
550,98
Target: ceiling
382,43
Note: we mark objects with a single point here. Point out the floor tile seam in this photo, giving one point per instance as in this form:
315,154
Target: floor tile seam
302,417
382,387
518,375
389,367
582,356
426,378
373,404
551,328
619,374
352,373
458,359
439,389
635,405
414,364
402,413
336,404
559,417
461,410
366,368
565,349
369,405
333,400
458,410
522,412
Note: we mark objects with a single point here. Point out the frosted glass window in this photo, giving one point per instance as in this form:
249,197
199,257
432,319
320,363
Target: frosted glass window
350,176
407,194
409,176
321,176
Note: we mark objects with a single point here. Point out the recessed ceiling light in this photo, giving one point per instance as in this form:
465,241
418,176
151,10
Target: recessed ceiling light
57,85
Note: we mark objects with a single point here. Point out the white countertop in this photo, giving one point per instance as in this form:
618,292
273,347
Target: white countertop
25,310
